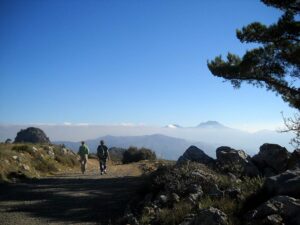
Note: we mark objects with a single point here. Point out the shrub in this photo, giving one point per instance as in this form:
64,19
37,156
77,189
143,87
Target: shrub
45,166
66,160
175,215
133,154
23,148
116,154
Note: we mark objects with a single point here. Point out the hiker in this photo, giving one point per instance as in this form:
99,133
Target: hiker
83,153
103,155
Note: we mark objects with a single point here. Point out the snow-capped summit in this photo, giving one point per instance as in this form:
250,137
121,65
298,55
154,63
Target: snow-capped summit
173,126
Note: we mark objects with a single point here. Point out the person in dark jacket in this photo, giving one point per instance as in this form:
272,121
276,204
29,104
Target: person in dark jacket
103,155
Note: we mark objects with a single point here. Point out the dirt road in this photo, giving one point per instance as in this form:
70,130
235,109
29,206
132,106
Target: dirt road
70,198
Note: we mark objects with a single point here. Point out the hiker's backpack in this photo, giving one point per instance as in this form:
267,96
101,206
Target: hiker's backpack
102,152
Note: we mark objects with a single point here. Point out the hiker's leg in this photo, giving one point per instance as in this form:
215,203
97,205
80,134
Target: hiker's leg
85,162
101,165
81,165
104,165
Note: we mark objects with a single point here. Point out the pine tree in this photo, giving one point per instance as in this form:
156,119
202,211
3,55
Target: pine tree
275,63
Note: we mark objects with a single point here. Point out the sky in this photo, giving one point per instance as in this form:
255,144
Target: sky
128,62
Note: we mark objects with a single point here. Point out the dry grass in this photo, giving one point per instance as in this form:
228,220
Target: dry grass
169,216
32,160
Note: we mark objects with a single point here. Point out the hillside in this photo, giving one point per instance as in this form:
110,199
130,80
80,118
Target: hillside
35,160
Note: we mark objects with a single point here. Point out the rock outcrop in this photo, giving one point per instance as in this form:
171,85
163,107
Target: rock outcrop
287,183
31,135
272,159
210,216
236,162
276,211
195,154
294,160
237,189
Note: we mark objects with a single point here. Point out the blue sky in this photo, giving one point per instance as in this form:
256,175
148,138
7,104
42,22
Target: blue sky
135,61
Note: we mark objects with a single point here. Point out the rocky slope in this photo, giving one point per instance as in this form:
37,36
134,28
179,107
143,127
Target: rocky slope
34,160
232,189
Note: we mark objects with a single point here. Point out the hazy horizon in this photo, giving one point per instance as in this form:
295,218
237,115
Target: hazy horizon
217,136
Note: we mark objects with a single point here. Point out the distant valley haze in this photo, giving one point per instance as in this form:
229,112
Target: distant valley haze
168,141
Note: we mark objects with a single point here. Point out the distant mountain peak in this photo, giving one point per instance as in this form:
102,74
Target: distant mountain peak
211,124
173,126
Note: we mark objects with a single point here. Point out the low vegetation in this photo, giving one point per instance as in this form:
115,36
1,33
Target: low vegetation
134,154
34,160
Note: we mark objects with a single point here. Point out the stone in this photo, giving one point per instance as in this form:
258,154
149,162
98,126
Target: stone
210,216
188,219
273,219
25,167
195,193
234,193
65,151
278,210
174,198
235,161
34,149
294,160
131,219
272,157
195,154
15,157
51,153
215,191
194,197
287,183
163,199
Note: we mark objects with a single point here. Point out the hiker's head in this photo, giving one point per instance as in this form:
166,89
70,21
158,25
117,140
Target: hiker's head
102,142
82,142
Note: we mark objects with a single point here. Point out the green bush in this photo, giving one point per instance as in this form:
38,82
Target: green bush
116,154
133,154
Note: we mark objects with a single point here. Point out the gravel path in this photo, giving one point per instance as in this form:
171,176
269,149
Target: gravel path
67,199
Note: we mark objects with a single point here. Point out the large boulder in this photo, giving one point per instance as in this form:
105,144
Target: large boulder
236,162
294,160
276,211
195,154
32,135
272,159
287,183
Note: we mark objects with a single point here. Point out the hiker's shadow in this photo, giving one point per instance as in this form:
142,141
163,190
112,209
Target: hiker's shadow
71,200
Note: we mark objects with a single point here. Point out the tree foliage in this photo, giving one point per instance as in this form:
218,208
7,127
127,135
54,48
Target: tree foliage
292,124
275,63
133,154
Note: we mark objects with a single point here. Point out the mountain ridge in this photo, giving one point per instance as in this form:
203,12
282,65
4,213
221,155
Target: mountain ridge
165,146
